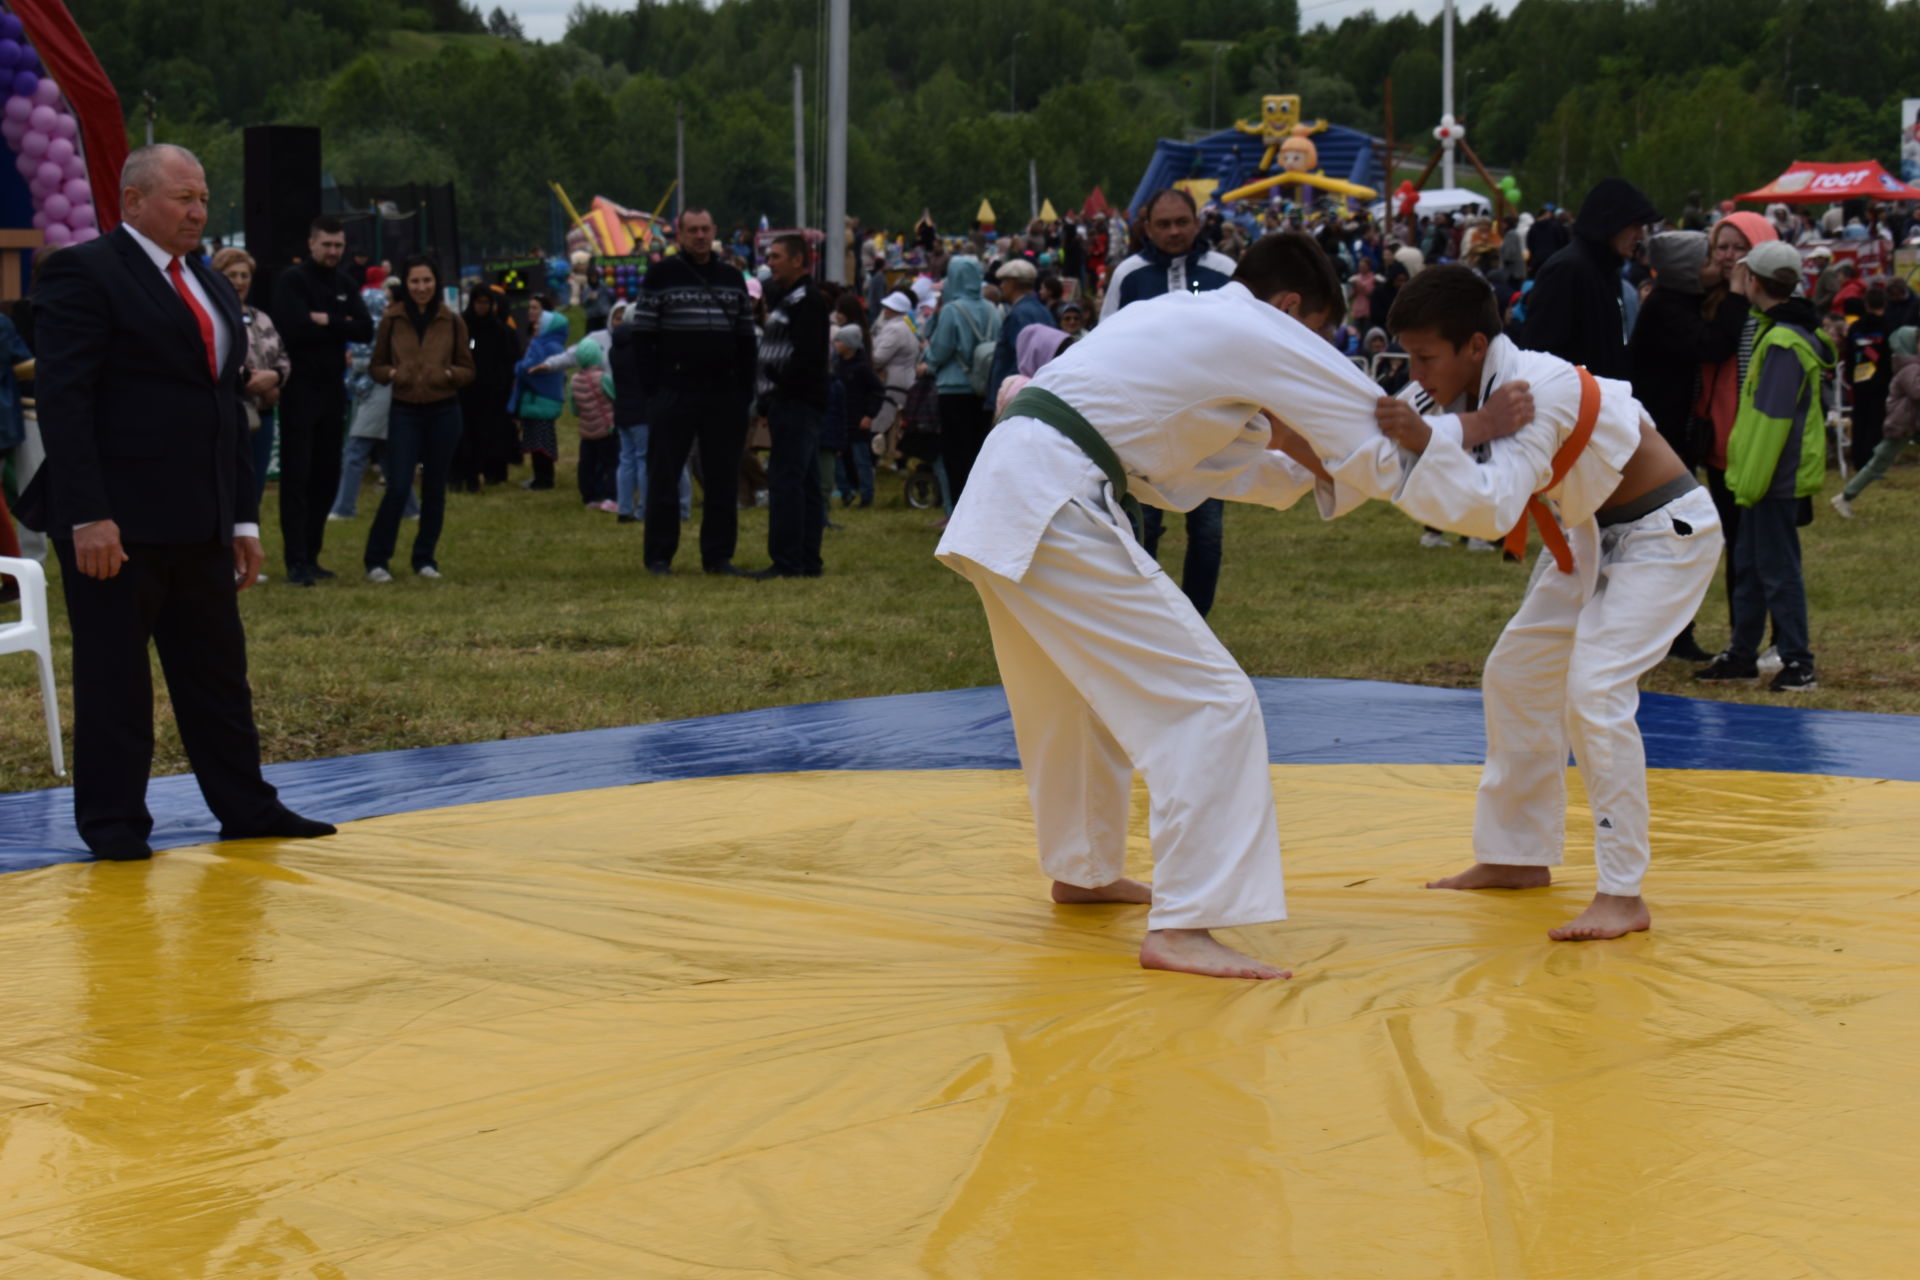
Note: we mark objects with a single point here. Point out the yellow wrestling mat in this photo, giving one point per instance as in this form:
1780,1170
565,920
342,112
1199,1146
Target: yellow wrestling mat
827,1025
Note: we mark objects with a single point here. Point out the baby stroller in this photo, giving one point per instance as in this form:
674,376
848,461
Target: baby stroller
917,445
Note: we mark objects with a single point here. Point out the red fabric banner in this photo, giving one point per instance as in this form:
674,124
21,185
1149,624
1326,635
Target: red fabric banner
71,65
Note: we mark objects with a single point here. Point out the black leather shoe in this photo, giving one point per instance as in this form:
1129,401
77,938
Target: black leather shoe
627,520
123,853
287,825
725,569
318,572
300,576
660,570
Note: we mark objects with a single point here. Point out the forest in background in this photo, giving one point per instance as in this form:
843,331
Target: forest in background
950,102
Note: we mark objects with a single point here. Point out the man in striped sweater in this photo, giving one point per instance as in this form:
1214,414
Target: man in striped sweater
692,332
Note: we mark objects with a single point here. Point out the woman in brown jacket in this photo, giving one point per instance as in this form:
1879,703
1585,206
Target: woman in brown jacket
424,352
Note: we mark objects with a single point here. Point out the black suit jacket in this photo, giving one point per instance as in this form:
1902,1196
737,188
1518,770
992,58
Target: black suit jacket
137,428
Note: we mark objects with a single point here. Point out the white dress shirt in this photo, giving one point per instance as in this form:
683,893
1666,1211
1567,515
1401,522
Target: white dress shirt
222,336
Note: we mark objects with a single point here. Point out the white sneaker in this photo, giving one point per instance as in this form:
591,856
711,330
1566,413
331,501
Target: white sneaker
1841,505
1480,544
1432,539
259,578
379,575
333,516
427,571
1769,661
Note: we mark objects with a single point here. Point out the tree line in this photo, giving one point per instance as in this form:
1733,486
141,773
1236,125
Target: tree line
950,103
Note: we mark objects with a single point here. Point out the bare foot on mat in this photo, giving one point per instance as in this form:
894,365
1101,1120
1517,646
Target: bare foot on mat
1197,951
1121,890
1608,916
1496,875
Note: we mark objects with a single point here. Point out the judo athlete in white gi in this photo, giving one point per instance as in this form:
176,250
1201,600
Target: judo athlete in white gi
1644,539
1106,664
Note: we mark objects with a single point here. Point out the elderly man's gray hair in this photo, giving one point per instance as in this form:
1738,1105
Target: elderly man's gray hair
142,169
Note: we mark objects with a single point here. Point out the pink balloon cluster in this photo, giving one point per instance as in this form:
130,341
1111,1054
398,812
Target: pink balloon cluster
46,140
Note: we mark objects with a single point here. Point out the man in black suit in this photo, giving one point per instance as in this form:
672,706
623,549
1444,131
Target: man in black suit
317,309
147,492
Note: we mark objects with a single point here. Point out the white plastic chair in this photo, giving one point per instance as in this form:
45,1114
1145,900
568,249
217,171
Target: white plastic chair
31,635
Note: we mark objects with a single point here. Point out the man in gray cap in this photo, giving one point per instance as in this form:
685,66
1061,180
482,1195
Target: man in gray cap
1016,280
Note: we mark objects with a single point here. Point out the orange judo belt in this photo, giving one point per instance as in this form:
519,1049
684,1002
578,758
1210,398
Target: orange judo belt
1550,534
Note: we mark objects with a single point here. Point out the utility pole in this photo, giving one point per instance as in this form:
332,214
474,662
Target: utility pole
1446,96
839,41
1033,188
679,159
799,148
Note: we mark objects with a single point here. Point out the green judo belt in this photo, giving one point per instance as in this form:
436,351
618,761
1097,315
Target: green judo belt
1044,406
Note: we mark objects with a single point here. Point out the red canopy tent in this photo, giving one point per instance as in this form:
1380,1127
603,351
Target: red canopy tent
1816,182
1096,203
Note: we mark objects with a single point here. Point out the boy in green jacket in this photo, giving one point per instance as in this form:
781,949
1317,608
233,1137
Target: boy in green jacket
1776,456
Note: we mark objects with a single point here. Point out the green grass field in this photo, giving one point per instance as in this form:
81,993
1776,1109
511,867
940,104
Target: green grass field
546,622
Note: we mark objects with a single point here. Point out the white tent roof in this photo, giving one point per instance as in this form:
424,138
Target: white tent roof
1448,199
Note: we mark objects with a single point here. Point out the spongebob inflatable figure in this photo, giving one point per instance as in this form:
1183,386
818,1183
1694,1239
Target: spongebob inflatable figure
1290,143
1279,120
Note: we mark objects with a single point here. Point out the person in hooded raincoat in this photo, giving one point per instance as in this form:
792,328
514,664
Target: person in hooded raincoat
1577,309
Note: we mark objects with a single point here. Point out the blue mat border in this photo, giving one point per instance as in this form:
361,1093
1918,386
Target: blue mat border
1308,722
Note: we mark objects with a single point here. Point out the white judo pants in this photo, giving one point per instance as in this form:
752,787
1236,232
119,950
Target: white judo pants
1108,668
1566,674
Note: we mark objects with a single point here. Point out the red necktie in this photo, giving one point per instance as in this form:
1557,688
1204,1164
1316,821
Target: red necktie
200,315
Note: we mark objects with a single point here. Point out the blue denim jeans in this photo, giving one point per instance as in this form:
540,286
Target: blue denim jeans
860,449
423,436
1766,554
630,481
353,469
1200,575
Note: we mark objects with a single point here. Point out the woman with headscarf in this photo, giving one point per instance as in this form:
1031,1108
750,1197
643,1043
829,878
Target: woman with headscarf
423,353
487,442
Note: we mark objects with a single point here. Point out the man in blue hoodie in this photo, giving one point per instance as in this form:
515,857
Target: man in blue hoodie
1172,262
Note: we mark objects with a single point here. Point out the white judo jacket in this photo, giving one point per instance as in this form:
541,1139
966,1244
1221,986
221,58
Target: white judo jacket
1483,493
1176,385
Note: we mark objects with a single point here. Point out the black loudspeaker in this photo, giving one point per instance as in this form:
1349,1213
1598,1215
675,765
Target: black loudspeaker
282,199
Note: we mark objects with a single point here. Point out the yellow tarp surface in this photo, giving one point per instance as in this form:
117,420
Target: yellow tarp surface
827,1025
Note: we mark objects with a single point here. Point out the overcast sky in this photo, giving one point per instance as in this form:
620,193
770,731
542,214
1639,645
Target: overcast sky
547,19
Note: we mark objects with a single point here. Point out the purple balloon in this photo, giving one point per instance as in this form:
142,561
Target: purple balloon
77,190
75,166
60,150
40,189
56,207
40,221
26,83
51,174
83,234
19,107
58,233
13,130
65,126
46,93
43,117
29,57
83,217
33,143
27,165
11,27
9,53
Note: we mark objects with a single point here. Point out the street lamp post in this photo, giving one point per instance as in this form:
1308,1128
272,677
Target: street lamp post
1794,115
